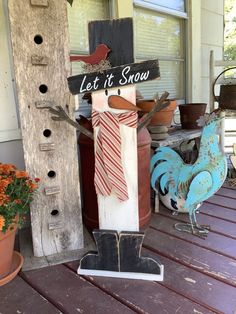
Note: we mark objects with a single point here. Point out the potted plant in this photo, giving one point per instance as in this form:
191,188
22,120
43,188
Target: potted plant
16,193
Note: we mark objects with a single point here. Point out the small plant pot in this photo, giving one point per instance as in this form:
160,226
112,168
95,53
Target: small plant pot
6,251
190,113
162,117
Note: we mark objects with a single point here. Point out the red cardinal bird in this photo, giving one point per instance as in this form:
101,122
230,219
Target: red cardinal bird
99,54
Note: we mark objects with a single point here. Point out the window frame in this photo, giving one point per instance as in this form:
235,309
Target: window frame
183,16
158,8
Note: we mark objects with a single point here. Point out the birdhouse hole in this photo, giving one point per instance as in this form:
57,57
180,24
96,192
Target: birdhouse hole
51,174
47,133
38,39
43,88
54,212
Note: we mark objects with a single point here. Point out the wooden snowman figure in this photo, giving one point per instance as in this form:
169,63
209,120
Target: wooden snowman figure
115,119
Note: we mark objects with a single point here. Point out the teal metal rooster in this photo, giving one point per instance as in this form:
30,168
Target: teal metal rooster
183,187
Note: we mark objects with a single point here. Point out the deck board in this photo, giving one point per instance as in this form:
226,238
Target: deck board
199,287
227,192
201,259
222,201
214,242
72,292
19,297
147,297
218,211
217,225
199,275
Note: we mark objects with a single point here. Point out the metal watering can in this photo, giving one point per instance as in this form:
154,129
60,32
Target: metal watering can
227,97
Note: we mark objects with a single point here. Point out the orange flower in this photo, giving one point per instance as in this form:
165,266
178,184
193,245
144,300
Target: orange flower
4,183
21,174
18,201
16,194
32,185
3,199
7,168
2,222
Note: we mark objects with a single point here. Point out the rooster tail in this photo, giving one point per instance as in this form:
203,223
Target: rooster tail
166,154
158,172
163,181
165,164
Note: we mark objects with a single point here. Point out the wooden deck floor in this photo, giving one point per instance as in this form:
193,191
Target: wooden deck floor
200,275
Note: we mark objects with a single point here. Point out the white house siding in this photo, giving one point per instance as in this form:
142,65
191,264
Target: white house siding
12,152
212,38
10,144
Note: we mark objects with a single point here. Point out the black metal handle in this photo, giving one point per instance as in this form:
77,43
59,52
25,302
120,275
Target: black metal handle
216,98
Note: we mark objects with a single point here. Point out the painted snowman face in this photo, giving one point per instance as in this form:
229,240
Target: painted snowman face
100,98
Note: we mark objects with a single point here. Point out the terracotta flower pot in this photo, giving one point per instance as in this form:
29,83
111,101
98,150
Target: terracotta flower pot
6,251
190,113
162,117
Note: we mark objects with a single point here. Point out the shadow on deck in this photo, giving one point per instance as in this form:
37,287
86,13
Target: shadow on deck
199,277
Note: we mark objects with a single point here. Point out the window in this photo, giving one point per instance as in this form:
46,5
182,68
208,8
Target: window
161,35
9,128
79,15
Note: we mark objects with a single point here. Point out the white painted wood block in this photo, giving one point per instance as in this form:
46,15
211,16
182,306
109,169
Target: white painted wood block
125,275
113,214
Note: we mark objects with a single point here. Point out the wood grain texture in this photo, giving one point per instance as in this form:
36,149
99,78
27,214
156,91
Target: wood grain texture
196,286
149,297
113,214
18,297
177,282
197,280
217,243
222,227
222,201
214,210
201,259
39,3
117,35
73,293
176,137
231,193
51,24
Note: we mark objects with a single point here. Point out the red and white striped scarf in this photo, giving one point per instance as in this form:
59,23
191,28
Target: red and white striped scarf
109,172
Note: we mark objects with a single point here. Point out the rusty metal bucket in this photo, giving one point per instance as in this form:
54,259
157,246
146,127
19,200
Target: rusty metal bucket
227,97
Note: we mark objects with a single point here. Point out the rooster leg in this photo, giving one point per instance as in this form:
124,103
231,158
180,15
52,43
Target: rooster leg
192,227
200,227
198,230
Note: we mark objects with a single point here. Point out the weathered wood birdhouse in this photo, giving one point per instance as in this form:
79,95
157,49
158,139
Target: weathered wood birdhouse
41,62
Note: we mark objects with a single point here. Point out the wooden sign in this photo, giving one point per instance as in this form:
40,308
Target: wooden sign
42,104
50,190
47,146
55,225
39,60
39,3
118,76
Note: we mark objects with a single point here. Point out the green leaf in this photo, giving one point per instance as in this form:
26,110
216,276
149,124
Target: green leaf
70,2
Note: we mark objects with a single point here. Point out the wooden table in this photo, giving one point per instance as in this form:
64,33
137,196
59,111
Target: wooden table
177,135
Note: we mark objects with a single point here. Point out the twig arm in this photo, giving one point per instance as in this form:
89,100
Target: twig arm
60,115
